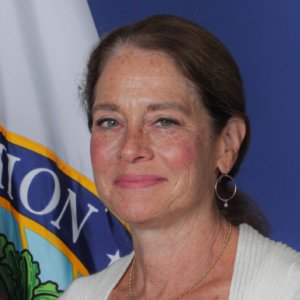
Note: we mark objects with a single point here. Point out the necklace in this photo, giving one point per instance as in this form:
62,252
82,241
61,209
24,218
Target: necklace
196,283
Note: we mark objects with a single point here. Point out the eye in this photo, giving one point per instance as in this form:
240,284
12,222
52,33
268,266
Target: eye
107,123
166,122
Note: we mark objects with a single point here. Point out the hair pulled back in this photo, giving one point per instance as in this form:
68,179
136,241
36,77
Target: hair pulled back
205,61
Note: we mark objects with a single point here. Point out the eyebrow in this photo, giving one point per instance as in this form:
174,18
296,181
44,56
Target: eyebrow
150,107
168,105
105,106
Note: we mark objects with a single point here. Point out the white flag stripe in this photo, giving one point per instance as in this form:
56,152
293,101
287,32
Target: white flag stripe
43,53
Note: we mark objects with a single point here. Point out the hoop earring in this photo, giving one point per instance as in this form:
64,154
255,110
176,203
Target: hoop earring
225,200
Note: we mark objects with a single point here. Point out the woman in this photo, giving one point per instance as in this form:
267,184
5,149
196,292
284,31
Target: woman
166,110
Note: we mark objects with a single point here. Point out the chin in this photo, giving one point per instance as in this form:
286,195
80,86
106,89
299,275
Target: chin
137,214
139,206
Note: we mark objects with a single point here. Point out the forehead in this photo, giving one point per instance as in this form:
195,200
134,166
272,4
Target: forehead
137,58
149,74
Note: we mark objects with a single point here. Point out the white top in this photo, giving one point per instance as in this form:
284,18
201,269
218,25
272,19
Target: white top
263,270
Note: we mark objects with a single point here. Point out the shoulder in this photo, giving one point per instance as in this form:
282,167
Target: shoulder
252,242
98,285
264,268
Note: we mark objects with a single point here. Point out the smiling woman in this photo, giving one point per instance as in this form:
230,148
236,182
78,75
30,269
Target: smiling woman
159,138
166,110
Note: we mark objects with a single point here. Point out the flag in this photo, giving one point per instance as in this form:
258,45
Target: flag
53,228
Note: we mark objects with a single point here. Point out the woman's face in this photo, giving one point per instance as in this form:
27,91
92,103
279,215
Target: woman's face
153,153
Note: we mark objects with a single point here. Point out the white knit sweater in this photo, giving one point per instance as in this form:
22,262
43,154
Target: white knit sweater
263,270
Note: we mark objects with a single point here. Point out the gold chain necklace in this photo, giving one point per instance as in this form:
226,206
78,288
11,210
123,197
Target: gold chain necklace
192,287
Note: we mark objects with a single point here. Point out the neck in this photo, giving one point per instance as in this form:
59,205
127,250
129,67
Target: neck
164,254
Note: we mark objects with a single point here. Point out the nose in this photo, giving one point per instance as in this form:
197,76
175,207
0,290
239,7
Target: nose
135,146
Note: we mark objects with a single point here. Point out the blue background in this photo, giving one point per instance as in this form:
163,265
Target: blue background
264,38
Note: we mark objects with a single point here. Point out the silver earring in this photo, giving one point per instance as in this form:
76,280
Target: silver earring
217,189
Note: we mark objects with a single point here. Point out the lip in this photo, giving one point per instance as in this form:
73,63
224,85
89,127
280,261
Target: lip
138,181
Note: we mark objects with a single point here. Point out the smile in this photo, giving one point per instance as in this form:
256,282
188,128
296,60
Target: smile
138,181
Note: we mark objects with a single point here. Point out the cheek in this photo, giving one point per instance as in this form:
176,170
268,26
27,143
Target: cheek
101,151
180,154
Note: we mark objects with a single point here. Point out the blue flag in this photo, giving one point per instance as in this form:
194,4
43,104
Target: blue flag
53,228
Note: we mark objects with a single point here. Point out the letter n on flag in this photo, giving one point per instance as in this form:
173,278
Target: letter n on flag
53,228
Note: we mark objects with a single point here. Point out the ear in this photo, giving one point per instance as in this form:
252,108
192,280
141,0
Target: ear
231,139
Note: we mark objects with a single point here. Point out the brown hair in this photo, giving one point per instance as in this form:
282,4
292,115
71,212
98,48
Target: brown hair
205,61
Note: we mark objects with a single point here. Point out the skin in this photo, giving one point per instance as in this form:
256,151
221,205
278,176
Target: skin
155,162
